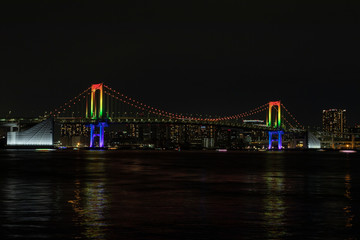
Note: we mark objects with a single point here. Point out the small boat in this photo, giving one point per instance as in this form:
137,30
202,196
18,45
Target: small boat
348,151
221,150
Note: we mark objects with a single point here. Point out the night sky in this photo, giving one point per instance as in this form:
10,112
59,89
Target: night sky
216,57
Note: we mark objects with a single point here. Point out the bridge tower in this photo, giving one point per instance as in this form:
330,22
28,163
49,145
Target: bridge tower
276,134
96,113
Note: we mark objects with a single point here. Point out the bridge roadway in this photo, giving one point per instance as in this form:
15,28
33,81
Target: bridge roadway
146,120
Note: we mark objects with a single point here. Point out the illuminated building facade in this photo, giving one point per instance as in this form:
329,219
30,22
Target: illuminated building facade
183,136
78,129
74,135
39,135
334,121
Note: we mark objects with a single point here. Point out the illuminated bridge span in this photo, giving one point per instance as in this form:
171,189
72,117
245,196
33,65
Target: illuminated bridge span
99,105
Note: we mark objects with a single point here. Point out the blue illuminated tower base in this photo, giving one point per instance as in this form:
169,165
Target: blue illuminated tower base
93,127
273,134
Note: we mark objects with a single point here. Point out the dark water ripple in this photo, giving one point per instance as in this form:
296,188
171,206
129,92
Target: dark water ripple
172,195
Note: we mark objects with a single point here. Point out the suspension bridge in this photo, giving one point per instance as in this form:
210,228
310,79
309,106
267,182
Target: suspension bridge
99,106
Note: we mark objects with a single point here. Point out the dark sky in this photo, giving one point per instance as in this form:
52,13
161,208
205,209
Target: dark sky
216,57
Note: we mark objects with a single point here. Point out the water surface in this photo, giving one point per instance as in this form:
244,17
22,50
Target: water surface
179,195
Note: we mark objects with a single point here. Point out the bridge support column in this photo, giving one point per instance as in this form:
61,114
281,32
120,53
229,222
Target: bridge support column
100,134
97,115
277,134
92,130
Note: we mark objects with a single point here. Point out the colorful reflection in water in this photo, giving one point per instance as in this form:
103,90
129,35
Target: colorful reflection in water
90,202
158,196
274,206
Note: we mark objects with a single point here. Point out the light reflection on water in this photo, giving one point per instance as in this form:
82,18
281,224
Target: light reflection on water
274,206
105,195
90,201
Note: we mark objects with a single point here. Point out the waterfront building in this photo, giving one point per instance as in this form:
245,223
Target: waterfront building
39,135
74,135
334,121
77,129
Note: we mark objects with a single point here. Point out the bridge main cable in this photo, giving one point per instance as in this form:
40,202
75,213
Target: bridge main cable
67,104
141,106
293,117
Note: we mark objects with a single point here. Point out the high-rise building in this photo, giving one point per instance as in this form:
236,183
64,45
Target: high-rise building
334,120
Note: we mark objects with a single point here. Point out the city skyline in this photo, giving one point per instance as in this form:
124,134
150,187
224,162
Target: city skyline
203,58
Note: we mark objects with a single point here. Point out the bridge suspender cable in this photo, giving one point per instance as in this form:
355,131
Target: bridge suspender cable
141,106
292,116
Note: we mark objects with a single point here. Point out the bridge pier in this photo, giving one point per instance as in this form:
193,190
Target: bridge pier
275,124
273,134
96,110
100,134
